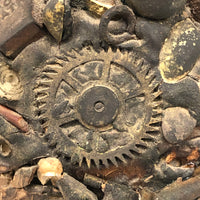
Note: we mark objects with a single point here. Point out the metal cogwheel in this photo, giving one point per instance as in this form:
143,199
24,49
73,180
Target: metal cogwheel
99,108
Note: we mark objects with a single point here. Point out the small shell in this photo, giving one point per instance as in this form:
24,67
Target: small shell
49,168
10,85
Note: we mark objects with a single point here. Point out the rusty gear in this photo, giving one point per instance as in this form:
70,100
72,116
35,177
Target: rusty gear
99,108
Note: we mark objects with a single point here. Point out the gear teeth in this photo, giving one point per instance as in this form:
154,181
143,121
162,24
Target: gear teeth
140,64
105,162
155,120
155,104
51,75
153,85
54,61
157,94
44,82
52,68
42,116
153,129
42,98
96,161
88,161
80,161
121,157
157,111
115,163
43,106
41,90
45,125
129,154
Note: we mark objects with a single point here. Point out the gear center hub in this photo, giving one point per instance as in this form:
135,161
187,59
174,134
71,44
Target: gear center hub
98,106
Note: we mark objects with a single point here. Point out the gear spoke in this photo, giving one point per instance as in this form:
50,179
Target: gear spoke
67,119
72,82
136,93
106,70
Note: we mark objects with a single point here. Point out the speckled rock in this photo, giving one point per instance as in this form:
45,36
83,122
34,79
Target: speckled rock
177,124
156,9
180,51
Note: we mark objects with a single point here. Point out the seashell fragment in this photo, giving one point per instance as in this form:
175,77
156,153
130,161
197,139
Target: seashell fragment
10,85
180,51
49,168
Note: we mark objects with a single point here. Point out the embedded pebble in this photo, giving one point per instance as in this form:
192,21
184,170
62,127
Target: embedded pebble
177,124
180,51
156,9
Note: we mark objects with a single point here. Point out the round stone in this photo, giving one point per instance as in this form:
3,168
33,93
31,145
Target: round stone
177,124
98,106
156,9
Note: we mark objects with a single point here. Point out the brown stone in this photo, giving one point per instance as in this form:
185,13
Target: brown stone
23,176
18,28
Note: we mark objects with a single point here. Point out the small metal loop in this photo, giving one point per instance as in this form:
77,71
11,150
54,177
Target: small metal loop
117,11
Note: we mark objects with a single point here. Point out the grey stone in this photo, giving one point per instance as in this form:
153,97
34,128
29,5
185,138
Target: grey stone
177,124
194,143
72,189
185,94
156,9
168,173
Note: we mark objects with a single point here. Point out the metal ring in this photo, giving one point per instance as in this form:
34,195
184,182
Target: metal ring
117,11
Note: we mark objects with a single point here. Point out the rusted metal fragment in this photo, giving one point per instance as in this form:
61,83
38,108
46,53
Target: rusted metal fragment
179,190
23,177
14,118
17,22
111,189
